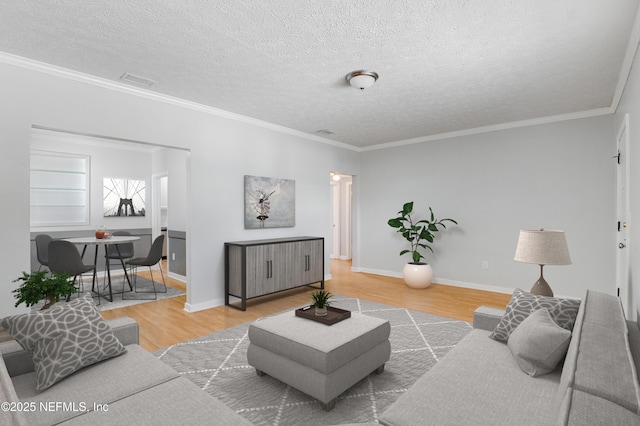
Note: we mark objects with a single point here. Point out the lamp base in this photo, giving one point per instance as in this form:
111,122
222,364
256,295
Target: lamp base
541,288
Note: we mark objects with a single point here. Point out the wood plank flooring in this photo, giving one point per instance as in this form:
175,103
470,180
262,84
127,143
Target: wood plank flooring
164,322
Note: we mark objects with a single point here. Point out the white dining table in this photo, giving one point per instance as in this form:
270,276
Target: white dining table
106,242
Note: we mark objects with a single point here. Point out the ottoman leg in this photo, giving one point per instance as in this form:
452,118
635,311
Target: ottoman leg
329,405
380,369
260,372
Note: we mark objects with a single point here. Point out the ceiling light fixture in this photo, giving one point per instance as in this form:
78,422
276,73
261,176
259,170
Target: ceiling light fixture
361,79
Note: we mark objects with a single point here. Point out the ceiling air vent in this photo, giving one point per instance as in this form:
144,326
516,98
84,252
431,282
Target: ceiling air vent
325,132
136,79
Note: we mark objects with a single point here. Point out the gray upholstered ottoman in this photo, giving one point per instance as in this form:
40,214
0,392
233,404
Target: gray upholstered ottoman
320,360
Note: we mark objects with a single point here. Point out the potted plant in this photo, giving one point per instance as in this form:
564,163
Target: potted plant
40,285
419,233
321,302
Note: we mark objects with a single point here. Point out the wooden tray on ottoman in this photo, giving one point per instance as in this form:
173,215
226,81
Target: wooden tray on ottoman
333,316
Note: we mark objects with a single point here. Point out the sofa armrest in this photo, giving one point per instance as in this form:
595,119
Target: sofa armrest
487,318
126,329
18,362
16,359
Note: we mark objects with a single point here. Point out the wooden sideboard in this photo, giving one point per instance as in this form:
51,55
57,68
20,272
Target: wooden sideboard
259,267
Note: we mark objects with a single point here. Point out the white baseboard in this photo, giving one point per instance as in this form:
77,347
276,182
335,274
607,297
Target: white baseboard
188,307
178,277
339,257
438,280
377,272
473,286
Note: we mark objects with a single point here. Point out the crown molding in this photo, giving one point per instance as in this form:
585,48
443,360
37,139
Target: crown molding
104,83
494,128
627,64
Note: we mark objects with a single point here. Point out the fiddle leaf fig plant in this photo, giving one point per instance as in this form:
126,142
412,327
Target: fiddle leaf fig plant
417,233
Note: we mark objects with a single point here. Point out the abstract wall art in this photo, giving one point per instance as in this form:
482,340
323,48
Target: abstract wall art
269,202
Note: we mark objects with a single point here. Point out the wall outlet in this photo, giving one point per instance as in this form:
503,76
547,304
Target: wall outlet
485,264
173,256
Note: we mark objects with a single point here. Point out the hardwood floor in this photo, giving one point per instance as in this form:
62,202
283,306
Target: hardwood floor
164,322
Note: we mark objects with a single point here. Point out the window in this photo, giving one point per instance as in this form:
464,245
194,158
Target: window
59,189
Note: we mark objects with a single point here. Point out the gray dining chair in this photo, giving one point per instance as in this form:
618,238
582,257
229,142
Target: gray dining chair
65,258
120,252
152,259
42,249
123,250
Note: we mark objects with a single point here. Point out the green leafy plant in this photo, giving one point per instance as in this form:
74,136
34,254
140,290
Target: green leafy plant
321,298
417,233
40,285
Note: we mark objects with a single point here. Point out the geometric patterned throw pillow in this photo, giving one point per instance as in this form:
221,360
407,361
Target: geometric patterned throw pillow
63,339
523,303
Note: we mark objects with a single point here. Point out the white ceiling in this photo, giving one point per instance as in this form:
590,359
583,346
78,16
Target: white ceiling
445,65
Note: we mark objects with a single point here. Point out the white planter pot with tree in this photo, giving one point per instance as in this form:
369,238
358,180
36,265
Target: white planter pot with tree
419,234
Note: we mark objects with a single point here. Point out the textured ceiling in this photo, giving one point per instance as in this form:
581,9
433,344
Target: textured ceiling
444,65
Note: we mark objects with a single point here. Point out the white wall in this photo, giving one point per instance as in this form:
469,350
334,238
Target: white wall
173,163
630,104
554,176
222,151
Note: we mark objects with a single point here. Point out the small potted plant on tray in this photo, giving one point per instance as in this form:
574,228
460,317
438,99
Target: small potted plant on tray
50,286
321,302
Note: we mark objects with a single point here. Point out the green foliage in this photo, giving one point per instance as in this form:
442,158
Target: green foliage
321,298
42,285
419,233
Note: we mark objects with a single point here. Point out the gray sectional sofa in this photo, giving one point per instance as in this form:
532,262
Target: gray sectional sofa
131,389
479,382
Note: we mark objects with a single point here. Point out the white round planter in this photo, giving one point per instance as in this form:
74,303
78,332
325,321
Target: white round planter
417,275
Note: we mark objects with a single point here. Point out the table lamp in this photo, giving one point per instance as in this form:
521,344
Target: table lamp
543,247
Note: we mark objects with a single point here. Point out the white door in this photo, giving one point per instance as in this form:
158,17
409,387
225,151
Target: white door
622,197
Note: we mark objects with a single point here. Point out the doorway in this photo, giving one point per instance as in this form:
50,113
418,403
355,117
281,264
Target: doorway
341,216
160,217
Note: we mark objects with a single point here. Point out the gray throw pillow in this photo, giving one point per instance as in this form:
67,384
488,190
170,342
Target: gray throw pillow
63,339
522,303
538,344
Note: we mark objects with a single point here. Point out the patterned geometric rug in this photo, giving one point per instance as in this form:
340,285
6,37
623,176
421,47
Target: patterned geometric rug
218,364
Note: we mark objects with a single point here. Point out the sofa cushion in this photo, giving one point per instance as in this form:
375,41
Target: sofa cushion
102,383
8,395
580,408
477,383
177,401
601,339
522,303
538,344
63,339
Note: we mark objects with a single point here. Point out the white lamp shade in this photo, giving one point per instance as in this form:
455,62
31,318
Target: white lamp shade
543,247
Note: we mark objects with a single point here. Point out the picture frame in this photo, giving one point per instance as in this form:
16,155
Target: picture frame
269,202
123,197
